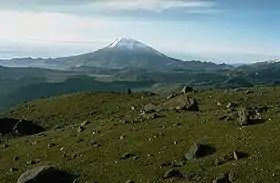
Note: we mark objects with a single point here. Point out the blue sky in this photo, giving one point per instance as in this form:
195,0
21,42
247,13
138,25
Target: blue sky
230,31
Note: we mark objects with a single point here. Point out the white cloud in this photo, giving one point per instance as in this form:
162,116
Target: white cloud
56,28
153,5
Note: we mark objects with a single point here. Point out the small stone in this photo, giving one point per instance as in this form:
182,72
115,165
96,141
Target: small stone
122,137
174,173
125,122
80,129
230,105
177,125
13,170
236,155
219,104
16,158
50,145
247,92
132,108
135,157
32,162
127,155
85,123
231,177
97,145
96,132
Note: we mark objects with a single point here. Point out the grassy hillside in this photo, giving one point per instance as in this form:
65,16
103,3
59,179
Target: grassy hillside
71,85
95,151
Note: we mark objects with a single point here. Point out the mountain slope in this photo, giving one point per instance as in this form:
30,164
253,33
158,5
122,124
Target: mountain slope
121,54
128,53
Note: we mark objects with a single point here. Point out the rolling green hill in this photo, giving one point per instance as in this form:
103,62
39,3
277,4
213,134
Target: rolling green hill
119,142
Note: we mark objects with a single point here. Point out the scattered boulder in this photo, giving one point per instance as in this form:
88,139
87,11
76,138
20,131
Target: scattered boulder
45,174
231,106
248,116
192,154
190,105
197,151
186,89
243,116
16,127
174,173
248,92
128,155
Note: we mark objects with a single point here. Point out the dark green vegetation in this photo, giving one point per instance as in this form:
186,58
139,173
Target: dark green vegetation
23,84
104,137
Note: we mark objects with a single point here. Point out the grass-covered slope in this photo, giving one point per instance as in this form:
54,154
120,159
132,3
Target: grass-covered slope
96,152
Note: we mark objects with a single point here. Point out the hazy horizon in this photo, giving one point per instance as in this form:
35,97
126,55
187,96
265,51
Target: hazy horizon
209,30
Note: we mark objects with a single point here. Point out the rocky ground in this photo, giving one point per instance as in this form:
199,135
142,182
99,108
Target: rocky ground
191,136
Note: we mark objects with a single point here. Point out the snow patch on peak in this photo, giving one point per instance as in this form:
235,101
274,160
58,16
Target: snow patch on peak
276,60
127,43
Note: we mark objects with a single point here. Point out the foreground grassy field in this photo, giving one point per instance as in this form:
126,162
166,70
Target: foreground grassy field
95,152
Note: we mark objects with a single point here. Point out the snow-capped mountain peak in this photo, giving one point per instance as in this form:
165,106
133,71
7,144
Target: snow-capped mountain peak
128,43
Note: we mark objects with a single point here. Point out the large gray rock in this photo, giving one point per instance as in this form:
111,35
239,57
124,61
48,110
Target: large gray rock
193,152
198,151
12,126
44,174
